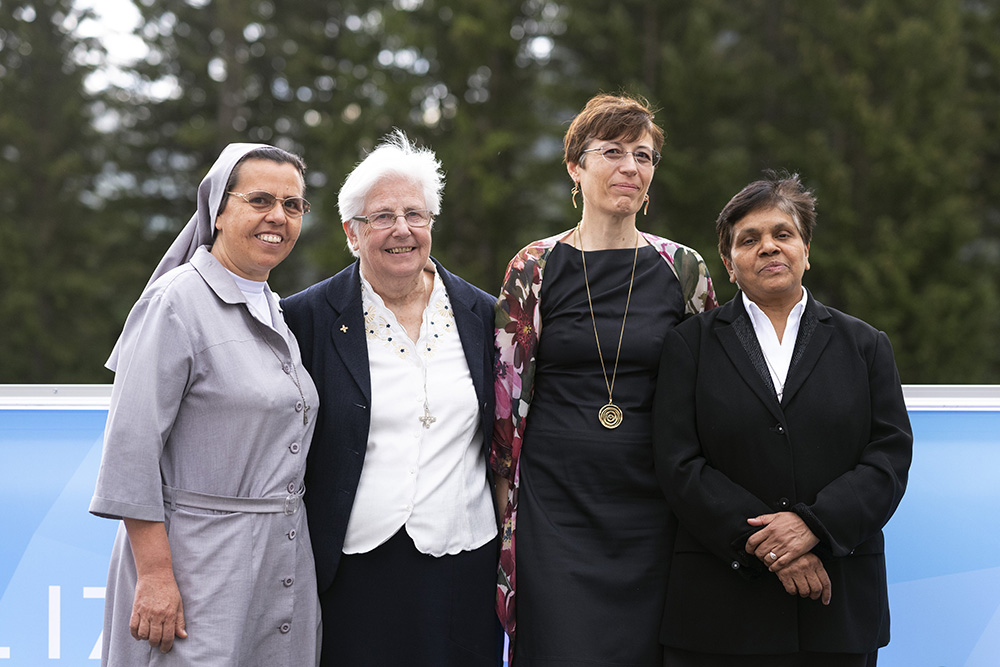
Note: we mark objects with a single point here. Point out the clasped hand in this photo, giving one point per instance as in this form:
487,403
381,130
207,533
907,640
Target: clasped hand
784,544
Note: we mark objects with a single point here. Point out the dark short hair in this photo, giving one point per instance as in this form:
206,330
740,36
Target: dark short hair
781,191
272,153
608,117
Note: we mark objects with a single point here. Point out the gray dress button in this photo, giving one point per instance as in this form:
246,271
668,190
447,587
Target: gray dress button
291,534
286,368
288,581
298,406
295,448
291,487
285,628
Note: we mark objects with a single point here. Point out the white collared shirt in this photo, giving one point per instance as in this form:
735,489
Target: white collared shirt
778,355
432,480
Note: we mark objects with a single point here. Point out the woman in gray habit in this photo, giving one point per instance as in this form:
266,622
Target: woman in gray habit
205,446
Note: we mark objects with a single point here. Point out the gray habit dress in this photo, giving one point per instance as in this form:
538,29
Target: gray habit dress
204,402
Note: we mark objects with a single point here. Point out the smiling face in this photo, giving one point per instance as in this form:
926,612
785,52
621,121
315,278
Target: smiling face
249,242
400,252
614,189
768,258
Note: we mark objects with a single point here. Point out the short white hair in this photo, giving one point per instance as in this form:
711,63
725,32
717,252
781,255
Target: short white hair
395,157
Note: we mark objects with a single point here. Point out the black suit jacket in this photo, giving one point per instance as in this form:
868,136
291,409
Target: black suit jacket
328,321
836,450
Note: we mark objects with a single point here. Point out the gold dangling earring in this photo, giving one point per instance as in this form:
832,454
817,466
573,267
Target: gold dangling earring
575,191
645,210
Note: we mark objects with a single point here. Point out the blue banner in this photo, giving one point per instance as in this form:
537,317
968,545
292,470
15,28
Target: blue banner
943,544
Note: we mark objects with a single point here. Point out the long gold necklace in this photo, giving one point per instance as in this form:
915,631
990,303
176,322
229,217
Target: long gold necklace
610,415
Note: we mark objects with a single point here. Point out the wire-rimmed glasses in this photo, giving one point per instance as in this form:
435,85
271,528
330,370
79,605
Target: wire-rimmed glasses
259,200
420,217
613,154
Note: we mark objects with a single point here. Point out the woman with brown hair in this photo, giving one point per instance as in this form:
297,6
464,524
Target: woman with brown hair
576,489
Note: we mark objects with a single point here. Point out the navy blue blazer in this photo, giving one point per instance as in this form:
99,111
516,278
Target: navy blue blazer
328,321
835,450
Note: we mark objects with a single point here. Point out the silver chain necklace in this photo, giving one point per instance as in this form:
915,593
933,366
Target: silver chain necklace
780,388
289,370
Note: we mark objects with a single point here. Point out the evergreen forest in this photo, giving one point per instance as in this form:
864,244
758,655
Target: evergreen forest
888,109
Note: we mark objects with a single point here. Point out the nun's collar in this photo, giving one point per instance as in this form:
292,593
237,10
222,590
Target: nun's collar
216,276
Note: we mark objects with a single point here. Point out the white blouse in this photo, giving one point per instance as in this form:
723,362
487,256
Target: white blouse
777,355
424,467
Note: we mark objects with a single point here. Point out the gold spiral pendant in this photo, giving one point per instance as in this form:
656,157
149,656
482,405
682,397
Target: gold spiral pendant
611,416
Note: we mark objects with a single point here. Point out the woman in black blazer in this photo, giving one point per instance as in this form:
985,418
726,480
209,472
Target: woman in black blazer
401,507
783,444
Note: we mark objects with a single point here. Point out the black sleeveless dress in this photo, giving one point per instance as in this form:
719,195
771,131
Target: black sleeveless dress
592,531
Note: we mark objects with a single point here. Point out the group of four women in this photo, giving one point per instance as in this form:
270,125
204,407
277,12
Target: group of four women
695,484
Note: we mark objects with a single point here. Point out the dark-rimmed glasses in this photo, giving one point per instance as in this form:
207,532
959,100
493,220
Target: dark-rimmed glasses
385,219
614,155
294,207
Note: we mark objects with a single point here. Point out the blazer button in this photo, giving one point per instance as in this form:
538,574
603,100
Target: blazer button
783,503
779,429
735,565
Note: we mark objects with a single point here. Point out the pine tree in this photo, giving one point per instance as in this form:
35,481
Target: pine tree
54,301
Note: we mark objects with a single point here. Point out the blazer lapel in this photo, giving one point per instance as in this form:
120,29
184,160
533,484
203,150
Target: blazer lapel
470,330
735,332
348,328
813,336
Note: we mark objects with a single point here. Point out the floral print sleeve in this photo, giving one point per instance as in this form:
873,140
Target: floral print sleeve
518,327
518,324
691,271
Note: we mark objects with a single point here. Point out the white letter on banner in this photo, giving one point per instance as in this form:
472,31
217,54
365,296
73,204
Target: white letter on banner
96,592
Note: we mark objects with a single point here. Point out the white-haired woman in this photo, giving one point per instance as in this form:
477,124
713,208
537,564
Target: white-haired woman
400,499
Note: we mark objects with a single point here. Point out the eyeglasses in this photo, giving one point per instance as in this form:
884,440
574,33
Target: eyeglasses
387,219
294,207
614,155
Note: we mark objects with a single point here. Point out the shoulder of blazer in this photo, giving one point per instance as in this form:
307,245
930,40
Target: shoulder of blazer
819,310
465,292
343,288
335,291
722,316
849,325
